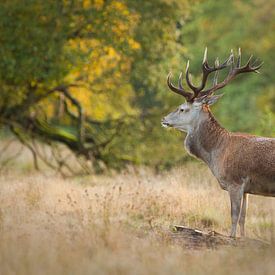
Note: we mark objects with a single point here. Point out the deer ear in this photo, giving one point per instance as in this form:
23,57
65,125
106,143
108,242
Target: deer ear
212,99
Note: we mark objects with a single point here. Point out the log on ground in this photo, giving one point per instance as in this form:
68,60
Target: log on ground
193,238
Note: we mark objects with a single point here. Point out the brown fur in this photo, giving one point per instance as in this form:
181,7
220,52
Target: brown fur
242,163
236,155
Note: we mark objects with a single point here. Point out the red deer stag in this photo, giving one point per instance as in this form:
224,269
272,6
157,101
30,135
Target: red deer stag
243,164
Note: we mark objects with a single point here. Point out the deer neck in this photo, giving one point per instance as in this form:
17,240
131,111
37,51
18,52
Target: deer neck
207,139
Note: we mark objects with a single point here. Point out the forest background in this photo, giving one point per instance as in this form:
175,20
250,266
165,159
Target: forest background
91,75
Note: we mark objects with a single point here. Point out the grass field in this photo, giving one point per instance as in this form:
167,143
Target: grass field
116,224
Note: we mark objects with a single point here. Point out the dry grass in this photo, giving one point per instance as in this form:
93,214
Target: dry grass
115,224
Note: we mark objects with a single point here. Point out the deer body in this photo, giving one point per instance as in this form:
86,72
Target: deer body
243,164
234,157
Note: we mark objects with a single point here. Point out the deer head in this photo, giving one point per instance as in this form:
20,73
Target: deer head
190,113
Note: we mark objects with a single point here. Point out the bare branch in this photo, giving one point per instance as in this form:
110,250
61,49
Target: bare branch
25,143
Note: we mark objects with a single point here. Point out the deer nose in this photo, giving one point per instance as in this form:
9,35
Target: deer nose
165,123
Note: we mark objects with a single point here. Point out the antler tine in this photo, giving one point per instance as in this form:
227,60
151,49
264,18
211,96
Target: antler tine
205,56
189,79
239,58
206,70
255,62
256,68
235,70
250,66
247,65
180,81
198,92
215,79
179,90
217,63
232,61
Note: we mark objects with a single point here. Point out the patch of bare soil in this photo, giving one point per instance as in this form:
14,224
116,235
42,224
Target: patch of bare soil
197,239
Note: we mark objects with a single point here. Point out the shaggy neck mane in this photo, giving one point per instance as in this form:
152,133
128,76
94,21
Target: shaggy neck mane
206,139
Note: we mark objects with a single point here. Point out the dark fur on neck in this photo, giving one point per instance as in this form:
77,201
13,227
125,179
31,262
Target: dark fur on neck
206,137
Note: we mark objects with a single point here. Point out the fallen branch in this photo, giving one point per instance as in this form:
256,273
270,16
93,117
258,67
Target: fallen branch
193,238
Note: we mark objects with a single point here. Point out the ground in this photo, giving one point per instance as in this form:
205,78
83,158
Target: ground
118,224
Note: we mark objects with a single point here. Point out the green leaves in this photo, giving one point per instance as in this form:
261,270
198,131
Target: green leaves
31,42
222,25
103,65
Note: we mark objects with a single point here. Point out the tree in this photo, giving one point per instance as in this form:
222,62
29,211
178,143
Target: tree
82,73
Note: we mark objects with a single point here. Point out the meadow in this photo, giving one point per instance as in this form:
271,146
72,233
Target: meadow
118,224
83,89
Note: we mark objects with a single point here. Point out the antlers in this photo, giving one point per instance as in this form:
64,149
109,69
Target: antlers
198,92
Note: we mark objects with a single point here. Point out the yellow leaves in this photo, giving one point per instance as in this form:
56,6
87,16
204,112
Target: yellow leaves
103,60
96,4
106,104
123,24
133,44
119,6
116,20
99,59
48,106
101,66
104,93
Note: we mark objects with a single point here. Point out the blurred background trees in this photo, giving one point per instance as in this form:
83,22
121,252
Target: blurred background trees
91,74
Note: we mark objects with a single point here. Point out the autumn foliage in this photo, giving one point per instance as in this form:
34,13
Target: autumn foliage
90,74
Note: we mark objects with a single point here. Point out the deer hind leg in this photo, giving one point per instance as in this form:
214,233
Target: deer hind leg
243,214
236,195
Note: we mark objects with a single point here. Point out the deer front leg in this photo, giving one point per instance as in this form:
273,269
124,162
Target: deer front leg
236,194
243,214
